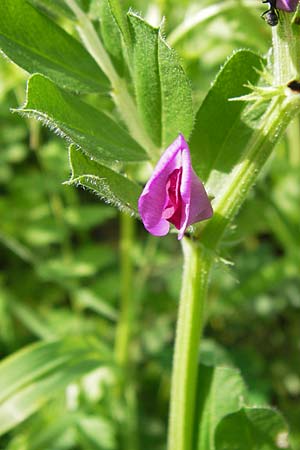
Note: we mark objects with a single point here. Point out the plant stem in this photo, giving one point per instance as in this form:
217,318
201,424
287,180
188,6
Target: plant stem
198,259
126,307
92,42
286,50
273,125
197,263
282,109
126,390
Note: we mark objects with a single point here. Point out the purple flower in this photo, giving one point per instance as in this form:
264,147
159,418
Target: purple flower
287,5
174,194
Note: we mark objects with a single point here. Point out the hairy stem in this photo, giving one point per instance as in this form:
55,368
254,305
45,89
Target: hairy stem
126,306
198,259
273,125
197,263
126,390
286,50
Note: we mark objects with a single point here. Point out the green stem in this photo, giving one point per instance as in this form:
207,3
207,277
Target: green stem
273,125
92,42
197,263
126,306
282,109
198,259
126,390
286,50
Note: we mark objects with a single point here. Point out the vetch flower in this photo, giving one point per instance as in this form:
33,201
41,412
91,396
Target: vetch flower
174,194
287,5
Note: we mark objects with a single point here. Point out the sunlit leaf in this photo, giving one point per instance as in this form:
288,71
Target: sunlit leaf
96,133
111,34
37,44
163,91
34,375
111,186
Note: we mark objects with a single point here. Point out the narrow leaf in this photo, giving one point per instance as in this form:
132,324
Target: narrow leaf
111,186
32,376
32,362
163,91
37,44
98,135
111,35
32,397
176,95
56,8
146,73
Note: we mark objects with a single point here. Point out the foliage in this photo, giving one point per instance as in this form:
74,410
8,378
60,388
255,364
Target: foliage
60,287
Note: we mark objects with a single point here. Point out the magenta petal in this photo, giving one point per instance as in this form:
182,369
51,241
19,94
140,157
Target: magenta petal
287,5
154,196
200,206
185,189
174,193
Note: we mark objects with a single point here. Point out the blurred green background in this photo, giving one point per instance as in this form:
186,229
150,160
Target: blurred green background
60,267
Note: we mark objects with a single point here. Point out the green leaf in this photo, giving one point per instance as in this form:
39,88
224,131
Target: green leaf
163,91
221,390
96,433
34,362
56,8
176,95
32,397
111,186
96,133
31,319
48,430
111,35
120,17
86,298
252,429
32,376
37,44
221,132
